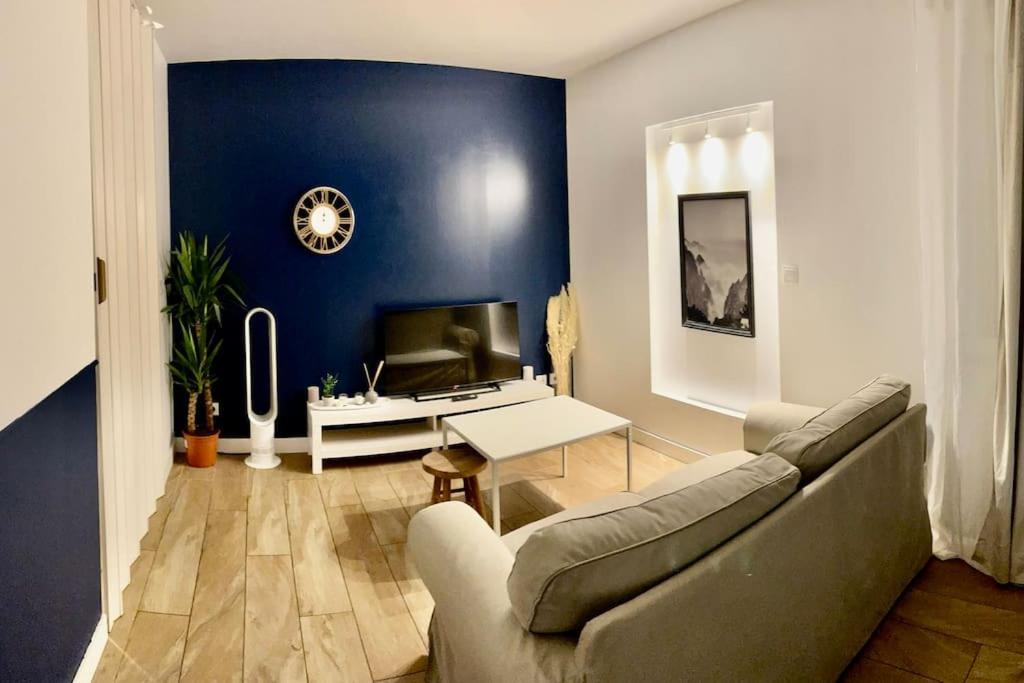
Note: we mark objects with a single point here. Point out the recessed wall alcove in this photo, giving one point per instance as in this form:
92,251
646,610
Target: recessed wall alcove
724,151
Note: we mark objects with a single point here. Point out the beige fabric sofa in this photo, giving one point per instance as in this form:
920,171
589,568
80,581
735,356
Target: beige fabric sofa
793,597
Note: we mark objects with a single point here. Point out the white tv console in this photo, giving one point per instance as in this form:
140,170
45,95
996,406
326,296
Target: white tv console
412,425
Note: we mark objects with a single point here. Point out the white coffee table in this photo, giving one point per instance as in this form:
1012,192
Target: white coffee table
518,431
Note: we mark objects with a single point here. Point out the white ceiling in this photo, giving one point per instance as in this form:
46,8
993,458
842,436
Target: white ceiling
539,37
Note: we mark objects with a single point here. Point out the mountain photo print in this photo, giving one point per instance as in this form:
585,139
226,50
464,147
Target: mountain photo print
715,262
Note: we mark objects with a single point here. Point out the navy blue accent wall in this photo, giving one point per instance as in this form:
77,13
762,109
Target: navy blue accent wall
49,537
457,177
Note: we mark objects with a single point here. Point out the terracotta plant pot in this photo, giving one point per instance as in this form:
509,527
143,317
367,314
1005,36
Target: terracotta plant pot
201,449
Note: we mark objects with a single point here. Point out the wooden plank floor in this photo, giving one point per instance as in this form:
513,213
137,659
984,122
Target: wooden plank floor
951,624
281,575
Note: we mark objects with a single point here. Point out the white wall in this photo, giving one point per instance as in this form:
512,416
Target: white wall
840,75
46,247
718,371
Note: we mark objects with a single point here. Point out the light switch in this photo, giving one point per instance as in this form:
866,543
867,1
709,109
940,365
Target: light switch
791,274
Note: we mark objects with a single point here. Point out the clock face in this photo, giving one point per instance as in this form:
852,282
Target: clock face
324,220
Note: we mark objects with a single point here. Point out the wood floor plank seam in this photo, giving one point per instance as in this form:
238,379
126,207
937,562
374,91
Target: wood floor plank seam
971,668
386,563
897,666
932,630
295,585
352,603
192,609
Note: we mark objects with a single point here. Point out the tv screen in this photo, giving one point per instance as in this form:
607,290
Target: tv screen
445,348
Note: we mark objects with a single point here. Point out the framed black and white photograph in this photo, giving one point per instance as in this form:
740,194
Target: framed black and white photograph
716,266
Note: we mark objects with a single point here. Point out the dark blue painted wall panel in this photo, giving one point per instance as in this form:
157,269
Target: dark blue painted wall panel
49,537
457,177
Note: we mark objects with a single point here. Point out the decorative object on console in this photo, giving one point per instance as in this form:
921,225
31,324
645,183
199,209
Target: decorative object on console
324,220
716,266
198,284
371,392
528,373
563,333
328,382
261,427
312,394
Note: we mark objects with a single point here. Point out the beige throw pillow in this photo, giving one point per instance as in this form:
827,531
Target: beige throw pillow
568,572
830,435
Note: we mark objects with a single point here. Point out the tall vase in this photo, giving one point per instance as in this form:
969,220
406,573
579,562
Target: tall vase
562,379
563,333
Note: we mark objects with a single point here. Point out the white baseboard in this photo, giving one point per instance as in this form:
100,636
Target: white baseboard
670,448
300,444
91,659
293,444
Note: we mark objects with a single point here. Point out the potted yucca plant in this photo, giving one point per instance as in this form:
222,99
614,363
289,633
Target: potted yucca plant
192,369
199,285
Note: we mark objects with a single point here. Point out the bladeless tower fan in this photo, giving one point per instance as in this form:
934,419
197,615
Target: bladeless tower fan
261,427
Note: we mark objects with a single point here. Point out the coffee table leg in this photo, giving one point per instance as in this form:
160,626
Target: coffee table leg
495,498
629,458
565,461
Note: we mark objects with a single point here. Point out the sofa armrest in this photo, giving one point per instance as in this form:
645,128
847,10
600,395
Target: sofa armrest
473,634
455,552
766,420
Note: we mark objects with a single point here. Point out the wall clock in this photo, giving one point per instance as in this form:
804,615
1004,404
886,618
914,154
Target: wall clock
324,220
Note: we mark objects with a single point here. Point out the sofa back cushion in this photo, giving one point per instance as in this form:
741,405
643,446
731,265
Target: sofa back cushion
568,572
833,433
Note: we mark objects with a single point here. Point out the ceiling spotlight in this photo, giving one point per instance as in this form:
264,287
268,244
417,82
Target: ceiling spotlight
750,128
707,132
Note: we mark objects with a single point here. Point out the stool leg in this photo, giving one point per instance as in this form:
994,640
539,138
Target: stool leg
435,495
473,484
446,489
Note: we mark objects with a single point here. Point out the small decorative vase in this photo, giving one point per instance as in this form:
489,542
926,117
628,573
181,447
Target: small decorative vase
359,399
371,396
327,400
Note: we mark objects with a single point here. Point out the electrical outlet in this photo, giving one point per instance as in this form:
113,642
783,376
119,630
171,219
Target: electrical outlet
216,408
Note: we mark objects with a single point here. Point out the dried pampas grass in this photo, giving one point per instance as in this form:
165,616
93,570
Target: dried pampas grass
563,333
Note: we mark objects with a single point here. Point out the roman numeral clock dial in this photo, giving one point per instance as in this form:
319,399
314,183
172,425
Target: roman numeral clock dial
324,220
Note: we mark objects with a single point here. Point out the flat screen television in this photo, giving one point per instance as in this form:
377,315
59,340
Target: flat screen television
447,348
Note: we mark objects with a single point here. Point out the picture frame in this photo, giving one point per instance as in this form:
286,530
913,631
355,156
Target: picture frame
716,262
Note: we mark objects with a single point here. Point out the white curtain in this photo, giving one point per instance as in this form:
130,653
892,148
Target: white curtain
969,192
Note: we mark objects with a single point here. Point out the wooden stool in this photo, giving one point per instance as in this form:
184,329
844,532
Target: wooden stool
458,462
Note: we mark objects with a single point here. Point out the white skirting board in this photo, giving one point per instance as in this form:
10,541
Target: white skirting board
670,448
294,444
300,444
91,659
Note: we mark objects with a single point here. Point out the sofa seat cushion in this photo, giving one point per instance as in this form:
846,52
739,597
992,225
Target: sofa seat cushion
833,433
697,472
573,569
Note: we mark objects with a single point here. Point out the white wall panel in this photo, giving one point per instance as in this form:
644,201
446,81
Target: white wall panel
132,334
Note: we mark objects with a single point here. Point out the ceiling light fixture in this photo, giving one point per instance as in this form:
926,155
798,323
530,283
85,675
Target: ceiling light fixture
750,128
707,131
148,19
